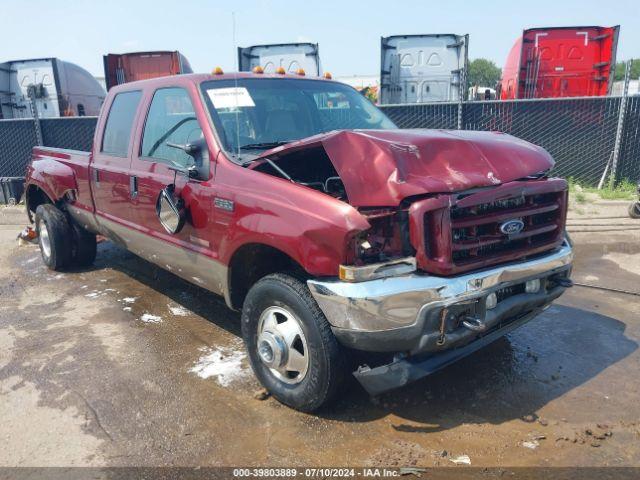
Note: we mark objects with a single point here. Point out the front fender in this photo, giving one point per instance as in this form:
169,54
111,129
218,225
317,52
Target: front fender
318,246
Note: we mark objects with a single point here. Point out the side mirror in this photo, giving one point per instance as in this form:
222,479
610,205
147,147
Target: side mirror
170,210
200,154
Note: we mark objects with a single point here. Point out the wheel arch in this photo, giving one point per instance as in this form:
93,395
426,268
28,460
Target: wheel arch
48,181
34,197
253,261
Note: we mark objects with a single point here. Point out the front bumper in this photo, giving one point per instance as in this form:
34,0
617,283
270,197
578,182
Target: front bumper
421,313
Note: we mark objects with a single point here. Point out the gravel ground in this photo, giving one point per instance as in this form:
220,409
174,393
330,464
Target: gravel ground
124,364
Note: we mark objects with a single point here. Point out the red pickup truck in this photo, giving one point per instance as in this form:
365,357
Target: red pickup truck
331,230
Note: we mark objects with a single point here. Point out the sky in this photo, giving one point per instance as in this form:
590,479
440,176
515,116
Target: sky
348,32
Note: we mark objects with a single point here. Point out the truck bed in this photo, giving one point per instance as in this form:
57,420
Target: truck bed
66,172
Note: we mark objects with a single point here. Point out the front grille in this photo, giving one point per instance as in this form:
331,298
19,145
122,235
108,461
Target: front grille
466,234
475,230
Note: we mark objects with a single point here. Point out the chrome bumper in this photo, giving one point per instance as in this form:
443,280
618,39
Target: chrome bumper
405,313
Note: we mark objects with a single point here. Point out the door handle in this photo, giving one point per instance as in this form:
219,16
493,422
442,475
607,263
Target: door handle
96,176
133,186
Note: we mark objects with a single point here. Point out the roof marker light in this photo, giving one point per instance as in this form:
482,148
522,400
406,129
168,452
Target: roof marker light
327,75
280,71
258,69
301,72
217,71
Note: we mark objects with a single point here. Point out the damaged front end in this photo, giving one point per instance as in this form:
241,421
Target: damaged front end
465,242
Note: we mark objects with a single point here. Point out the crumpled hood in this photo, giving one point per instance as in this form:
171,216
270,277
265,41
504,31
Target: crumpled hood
382,167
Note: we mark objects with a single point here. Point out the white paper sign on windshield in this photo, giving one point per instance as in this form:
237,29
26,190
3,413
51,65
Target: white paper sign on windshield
230,97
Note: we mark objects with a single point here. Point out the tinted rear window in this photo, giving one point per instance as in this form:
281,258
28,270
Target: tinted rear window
117,133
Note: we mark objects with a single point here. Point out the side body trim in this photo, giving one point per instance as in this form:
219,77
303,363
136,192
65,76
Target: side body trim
187,264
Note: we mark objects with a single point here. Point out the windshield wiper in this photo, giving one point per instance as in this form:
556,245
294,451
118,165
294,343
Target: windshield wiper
264,145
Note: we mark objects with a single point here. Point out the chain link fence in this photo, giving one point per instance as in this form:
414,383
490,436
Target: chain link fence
18,137
629,164
580,133
75,133
427,115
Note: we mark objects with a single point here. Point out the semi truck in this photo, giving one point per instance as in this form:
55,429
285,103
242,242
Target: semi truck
560,62
56,88
121,68
423,68
329,229
289,56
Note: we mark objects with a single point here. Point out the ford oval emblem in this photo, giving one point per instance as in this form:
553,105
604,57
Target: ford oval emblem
512,227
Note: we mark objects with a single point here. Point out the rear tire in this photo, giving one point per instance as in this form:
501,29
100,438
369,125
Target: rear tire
54,237
280,311
84,248
634,210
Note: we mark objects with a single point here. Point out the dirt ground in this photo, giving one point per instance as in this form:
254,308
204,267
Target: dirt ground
124,364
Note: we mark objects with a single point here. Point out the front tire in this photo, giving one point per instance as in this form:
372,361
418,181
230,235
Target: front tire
54,237
634,210
291,347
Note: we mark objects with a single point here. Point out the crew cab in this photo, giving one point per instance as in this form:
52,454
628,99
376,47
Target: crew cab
331,230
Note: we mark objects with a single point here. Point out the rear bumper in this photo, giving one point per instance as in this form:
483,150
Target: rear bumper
423,314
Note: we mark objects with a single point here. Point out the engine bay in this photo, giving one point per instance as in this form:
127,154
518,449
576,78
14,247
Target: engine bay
309,167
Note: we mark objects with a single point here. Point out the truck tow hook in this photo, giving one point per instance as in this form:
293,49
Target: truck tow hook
473,323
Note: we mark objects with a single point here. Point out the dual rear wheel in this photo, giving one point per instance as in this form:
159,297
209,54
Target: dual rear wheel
63,244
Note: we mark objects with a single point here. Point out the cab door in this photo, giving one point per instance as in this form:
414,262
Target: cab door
109,169
158,161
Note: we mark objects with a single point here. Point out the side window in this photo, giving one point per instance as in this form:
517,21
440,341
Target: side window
117,132
171,120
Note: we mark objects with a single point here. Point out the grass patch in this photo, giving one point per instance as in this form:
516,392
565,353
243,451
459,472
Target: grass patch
580,197
624,190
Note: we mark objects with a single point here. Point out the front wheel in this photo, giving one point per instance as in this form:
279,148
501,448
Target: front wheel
291,347
634,210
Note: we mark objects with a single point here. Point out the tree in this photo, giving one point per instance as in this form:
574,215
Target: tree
483,73
635,70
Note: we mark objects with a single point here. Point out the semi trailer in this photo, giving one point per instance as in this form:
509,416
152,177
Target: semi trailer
121,68
560,62
289,56
423,68
54,87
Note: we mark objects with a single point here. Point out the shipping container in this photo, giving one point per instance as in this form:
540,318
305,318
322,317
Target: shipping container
290,56
121,68
560,62
423,68
58,89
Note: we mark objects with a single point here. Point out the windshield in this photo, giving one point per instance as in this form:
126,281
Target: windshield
260,113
